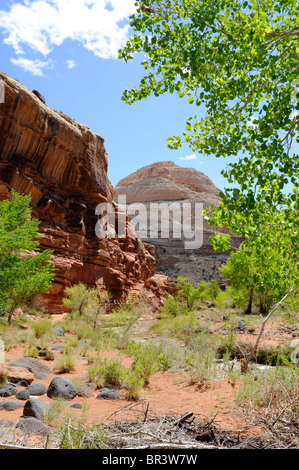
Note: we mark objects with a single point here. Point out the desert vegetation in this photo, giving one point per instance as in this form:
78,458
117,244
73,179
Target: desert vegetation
202,341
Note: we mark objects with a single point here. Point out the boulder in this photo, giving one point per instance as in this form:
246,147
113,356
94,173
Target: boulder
33,427
61,388
84,391
37,388
59,331
36,408
108,394
36,366
10,405
7,390
23,394
48,355
16,374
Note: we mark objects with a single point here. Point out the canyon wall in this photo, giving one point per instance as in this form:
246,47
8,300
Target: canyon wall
63,166
167,183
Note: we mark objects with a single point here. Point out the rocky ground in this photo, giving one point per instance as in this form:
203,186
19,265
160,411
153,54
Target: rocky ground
210,411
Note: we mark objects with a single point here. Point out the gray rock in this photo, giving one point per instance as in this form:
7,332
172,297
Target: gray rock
23,395
241,327
19,383
10,405
7,390
59,331
84,346
76,405
108,394
40,376
33,427
58,347
36,408
61,387
46,354
19,363
35,366
85,391
36,389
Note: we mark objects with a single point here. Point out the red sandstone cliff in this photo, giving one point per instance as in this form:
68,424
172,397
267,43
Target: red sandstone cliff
63,166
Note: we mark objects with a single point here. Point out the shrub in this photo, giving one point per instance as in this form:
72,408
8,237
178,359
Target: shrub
65,363
173,306
148,359
41,327
86,301
106,373
134,385
274,389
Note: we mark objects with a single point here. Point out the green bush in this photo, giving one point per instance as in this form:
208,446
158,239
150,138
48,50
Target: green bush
107,372
172,306
148,359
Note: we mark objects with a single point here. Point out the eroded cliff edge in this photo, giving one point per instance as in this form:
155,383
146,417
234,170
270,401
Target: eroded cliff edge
63,166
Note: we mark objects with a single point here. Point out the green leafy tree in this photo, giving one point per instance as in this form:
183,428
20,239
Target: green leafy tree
235,61
25,272
256,277
212,289
189,293
87,301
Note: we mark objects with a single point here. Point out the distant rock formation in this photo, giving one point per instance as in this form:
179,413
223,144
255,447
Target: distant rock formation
63,166
166,182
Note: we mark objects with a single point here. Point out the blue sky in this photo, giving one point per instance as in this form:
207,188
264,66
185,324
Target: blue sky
67,49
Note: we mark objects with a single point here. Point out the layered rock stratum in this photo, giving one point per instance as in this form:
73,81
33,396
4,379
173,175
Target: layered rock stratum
167,183
62,164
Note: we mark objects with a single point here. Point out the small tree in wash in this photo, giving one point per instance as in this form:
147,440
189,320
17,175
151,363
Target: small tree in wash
25,271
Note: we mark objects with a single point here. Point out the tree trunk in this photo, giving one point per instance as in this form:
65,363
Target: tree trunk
249,305
11,311
263,307
249,357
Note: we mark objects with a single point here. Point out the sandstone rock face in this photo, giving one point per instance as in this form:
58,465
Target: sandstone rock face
167,183
15,374
63,166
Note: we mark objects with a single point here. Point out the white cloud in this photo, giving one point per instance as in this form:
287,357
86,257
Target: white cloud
71,64
189,157
34,66
101,26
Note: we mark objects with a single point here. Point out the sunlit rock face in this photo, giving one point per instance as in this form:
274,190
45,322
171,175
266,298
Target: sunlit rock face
63,166
167,184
